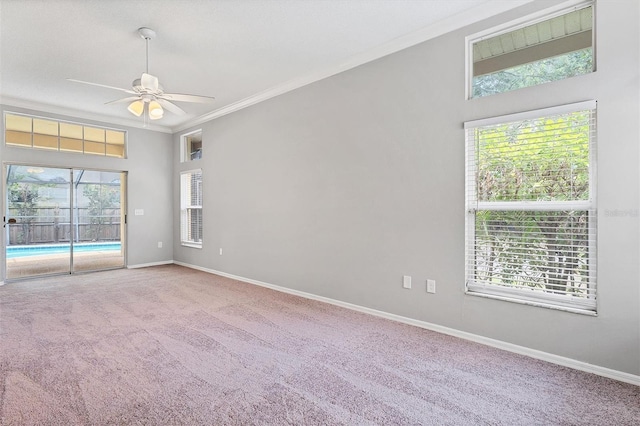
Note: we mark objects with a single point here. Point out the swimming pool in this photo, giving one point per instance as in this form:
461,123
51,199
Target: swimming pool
39,250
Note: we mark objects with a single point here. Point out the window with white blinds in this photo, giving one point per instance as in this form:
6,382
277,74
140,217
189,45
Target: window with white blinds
531,211
191,208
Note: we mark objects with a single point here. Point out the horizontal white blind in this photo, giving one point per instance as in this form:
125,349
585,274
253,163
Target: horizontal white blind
531,219
191,207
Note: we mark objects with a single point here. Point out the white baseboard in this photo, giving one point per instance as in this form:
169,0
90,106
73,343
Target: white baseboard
522,350
146,265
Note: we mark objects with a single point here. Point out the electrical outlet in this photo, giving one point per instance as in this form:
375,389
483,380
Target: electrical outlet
159,244
220,251
431,286
406,281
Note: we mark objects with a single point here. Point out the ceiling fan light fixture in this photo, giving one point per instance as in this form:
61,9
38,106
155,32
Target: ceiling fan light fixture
149,99
155,110
136,108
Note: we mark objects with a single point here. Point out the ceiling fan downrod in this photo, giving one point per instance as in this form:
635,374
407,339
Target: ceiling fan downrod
147,34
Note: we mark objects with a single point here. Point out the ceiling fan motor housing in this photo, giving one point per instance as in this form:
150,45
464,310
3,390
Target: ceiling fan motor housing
139,88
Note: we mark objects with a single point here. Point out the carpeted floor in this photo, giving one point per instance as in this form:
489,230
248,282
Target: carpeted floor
173,346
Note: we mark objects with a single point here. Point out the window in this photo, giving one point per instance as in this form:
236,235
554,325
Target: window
191,208
551,48
191,146
43,133
531,218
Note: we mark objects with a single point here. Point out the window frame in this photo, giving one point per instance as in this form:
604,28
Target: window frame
186,206
531,19
589,305
185,155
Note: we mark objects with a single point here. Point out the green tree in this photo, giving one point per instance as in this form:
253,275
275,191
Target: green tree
102,200
537,160
550,69
23,199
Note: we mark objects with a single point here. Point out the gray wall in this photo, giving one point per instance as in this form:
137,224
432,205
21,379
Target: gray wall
149,165
343,186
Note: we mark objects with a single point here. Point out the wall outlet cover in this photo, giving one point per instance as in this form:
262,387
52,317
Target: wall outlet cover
406,281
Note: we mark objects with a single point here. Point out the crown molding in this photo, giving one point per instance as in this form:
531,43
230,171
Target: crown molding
460,20
77,114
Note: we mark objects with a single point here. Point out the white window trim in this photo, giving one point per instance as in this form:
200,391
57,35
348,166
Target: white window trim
192,245
515,24
183,210
521,296
183,148
526,115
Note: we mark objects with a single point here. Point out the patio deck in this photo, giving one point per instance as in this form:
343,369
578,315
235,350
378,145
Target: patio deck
22,267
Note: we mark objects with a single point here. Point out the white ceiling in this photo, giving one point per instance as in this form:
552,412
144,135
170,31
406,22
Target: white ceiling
240,51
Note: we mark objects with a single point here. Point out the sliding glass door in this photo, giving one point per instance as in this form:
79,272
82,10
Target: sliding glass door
37,221
98,219
60,220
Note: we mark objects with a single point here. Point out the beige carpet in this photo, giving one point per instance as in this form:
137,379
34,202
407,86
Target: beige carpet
173,346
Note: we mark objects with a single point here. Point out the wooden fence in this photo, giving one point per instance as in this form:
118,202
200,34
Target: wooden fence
53,225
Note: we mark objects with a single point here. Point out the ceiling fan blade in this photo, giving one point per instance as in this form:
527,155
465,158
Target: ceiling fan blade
102,85
171,107
179,97
123,100
149,82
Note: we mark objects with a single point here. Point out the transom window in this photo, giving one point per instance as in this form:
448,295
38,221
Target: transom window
531,212
44,133
553,47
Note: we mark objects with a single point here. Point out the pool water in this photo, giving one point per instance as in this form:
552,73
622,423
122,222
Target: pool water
39,250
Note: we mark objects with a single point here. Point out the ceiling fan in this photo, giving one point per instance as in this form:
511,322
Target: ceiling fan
148,94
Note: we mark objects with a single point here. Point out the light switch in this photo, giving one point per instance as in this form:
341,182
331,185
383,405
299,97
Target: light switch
406,281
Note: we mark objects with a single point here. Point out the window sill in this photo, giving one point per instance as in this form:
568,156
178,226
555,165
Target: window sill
192,245
538,304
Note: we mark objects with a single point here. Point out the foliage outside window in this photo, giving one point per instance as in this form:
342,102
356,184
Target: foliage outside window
103,207
24,200
531,221
191,208
551,49
38,199
42,133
